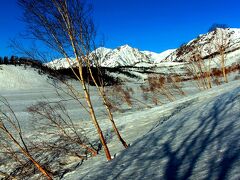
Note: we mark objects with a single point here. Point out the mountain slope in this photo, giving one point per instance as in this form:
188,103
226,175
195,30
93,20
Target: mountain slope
158,57
17,77
123,56
208,44
61,63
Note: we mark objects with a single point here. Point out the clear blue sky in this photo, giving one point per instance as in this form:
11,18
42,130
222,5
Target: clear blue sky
154,25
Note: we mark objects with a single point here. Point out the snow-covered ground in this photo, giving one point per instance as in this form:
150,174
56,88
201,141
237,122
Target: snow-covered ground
15,78
195,137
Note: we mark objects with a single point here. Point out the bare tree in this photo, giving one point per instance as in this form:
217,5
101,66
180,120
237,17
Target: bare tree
221,45
214,26
66,26
33,51
200,68
11,130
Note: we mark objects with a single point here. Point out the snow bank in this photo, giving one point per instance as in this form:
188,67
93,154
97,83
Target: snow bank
16,77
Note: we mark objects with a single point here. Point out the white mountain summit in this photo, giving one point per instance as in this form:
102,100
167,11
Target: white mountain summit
158,57
124,56
121,56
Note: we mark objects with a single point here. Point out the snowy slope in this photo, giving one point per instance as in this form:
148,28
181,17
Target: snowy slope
192,137
158,57
124,56
198,140
17,77
208,44
61,63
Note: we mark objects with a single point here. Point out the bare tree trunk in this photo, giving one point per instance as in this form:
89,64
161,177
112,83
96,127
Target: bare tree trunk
95,122
66,26
65,15
113,123
223,66
209,74
26,153
103,95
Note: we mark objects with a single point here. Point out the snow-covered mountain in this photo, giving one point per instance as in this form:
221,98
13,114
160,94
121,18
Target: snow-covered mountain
121,56
208,44
205,45
61,63
158,57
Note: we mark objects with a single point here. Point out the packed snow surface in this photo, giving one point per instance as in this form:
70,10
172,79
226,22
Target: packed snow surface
14,78
197,139
194,137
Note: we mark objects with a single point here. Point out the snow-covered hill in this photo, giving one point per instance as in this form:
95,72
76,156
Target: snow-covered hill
17,77
61,63
208,44
196,137
121,56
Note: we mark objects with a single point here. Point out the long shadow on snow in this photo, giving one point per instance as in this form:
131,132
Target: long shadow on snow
202,142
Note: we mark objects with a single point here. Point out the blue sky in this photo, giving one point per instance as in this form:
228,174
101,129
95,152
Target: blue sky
154,25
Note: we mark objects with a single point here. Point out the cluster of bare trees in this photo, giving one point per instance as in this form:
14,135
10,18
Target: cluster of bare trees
204,56
65,26
159,87
212,51
13,144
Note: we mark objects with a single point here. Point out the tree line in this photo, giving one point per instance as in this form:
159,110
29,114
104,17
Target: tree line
101,74
15,60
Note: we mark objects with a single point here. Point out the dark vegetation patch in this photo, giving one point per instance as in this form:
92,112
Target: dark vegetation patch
101,74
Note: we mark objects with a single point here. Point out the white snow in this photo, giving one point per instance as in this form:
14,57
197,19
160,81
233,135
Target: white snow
61,63
124,56
14,78
158,57
186,137
208,44
121,56
196,137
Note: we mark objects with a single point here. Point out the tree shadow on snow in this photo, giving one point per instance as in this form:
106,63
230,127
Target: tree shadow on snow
201,142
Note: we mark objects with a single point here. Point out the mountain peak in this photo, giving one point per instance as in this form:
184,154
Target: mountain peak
126,46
